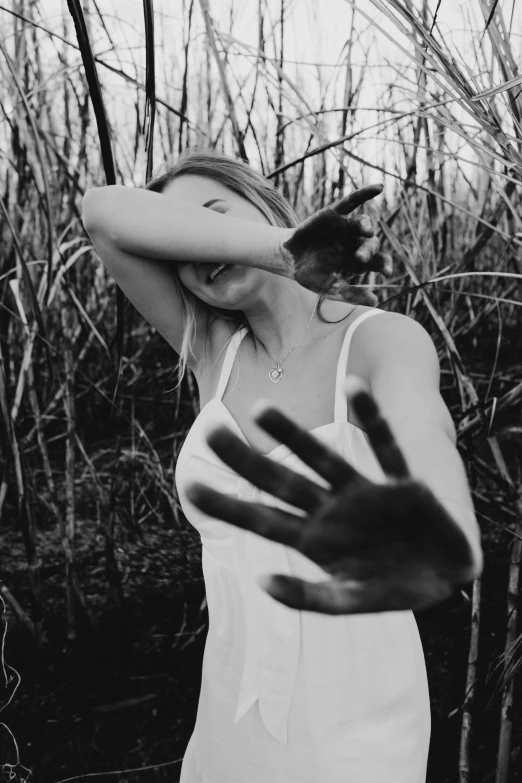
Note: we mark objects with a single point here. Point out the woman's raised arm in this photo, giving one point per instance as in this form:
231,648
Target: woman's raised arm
148,224
321,254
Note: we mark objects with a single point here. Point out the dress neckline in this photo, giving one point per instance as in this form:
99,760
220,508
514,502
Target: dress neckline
281,445
340,402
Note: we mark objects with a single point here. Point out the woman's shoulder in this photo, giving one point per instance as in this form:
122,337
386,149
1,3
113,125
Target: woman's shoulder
383,322
387,335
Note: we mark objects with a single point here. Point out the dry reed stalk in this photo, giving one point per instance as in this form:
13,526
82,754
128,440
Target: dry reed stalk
8,428
159,472
42,443
150,85
471,683
25,511
508,678
132,460
68,529
279,153
506,709
39,155
17,609
499,39
89,63
52,404
238,136
23,272
82,34
508,400
249,125
349,97
184,89
115,591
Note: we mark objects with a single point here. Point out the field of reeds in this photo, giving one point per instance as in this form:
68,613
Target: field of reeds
101,591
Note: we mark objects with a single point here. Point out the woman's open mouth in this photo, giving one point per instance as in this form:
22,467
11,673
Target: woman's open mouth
218,272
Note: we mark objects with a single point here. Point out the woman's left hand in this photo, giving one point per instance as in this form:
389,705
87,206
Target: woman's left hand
329,248
388,546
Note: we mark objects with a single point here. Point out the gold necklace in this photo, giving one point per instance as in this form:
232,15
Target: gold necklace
276,373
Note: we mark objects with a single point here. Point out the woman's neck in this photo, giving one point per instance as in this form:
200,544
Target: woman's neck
279,318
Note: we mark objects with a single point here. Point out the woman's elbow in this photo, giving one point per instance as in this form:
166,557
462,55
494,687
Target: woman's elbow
97,210
91,209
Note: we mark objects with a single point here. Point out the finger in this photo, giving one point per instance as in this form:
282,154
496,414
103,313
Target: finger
322,459
341,291
328,597
267,475
274,524
379,434
361,225
347,204
383,263
367,249
367,297
337,597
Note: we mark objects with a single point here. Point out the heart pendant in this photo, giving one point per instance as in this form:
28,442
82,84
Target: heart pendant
275,375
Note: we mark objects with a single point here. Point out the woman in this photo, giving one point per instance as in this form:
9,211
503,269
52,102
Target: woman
286,696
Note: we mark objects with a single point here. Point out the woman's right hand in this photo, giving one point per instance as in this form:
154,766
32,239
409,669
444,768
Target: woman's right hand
329,248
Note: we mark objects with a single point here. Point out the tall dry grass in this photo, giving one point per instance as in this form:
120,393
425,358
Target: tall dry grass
444,132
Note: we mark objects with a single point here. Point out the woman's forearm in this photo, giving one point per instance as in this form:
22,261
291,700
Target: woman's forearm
146,223
435,460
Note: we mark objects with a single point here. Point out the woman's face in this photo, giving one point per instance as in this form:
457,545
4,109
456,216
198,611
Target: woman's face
232,288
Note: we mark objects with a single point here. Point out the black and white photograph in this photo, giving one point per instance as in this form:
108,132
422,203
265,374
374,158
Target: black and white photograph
260,391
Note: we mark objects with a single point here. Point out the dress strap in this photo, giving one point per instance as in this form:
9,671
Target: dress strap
341,403
230,355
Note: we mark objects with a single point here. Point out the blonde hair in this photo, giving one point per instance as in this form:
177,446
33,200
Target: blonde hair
247,182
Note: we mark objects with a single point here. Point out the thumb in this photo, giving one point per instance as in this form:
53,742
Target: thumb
328,597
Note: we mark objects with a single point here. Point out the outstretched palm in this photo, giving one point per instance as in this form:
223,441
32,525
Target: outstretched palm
388,546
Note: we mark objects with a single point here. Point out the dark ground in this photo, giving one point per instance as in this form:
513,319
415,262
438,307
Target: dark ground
125,696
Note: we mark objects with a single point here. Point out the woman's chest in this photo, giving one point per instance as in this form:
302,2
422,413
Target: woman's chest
305,391
308,404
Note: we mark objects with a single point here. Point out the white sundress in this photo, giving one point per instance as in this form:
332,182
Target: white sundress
289,696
